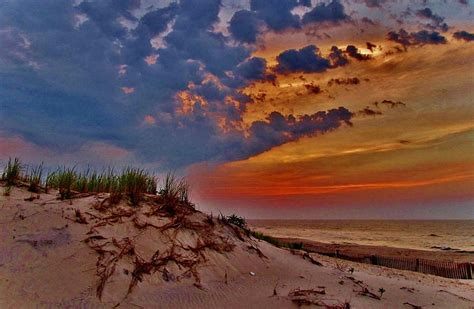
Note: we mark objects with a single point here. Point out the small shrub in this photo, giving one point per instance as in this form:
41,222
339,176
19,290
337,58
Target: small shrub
237,220
12,172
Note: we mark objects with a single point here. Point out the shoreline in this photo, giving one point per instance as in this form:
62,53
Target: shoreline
367,250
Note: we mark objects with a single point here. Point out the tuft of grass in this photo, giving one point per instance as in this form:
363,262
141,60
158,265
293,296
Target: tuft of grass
66,178
12,172
34,177
7,191
276,242
266,238
237,220
175,190
135,182
116,191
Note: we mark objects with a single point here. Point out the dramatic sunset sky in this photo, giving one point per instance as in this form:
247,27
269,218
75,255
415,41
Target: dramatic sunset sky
271,108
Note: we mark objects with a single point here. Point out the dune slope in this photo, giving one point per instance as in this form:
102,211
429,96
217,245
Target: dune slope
84,252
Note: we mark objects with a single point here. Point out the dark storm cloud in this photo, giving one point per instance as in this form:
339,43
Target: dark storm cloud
245,26
416,38
463,35
330,12
279,129
105,14
63,66
437,21
254,69
307,59
337,57
276,13
353,52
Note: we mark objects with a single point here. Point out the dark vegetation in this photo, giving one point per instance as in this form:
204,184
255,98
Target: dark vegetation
130,183
241,222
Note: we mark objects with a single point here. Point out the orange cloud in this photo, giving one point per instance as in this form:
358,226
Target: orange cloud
151,59
128,90
188,101
149,119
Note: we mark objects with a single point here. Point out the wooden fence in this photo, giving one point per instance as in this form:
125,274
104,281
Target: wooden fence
438,268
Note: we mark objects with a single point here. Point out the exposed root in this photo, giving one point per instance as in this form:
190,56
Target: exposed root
108,259
209,237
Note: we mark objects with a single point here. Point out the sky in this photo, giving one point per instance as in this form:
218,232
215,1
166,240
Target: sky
308,109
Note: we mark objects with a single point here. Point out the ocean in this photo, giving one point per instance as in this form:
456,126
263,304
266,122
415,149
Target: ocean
412,234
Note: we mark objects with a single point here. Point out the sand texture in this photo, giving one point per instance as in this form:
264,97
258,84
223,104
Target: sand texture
84,253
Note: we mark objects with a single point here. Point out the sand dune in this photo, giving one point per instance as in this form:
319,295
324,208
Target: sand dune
81,253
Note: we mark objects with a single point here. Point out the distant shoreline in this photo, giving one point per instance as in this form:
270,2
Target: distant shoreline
367,250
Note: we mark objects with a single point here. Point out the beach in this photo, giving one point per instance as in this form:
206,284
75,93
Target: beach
76,253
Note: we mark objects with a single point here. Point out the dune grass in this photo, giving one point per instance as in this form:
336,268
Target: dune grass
241,222
131,183
33,177
12,172
276,242
175,189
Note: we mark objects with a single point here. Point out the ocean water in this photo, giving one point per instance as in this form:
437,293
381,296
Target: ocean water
414,234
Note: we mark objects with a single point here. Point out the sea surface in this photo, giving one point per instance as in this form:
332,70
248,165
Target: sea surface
419,234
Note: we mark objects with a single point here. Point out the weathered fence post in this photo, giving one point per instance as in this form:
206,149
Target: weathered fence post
469,267
373,260
417,265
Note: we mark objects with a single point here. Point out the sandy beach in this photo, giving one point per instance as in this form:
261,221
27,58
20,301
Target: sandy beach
58,253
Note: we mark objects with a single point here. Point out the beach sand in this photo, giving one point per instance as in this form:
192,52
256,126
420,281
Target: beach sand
55,253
